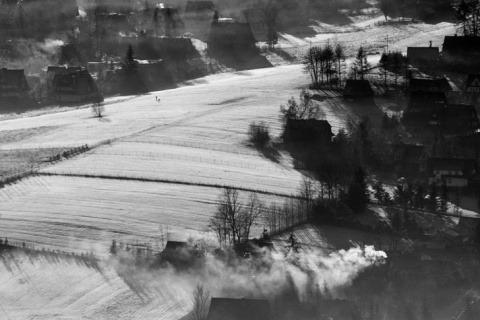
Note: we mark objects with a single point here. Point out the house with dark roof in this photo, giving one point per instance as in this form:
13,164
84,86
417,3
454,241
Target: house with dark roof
75,87
228,36
256,18
409,160
153,48
461,51
421,106
13,85
199,10
239,309
339,309
472,84
430,85
307,131
456,120
451,171
422,56
358,89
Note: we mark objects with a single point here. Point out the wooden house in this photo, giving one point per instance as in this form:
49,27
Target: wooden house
461,51
307,131
453,172
456,120
423,56
13,85
430,85
421,106
75,87
358,89
230,37
239,309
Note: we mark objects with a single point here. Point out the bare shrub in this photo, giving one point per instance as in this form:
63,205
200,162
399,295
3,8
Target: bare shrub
98,110
259,134
200,303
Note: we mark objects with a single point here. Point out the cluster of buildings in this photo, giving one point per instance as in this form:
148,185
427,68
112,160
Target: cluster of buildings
160,35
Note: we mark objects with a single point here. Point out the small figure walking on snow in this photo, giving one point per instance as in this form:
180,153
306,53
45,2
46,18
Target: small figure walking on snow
156,98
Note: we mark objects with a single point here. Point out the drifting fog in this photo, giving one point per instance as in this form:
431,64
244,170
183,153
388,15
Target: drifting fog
305,274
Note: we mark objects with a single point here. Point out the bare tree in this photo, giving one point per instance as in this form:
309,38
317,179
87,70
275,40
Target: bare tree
201,303
386,7
98,110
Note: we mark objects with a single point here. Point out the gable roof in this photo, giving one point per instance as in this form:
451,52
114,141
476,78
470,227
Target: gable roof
409,153
473,83
176,245
78,82
422,53
457,119
13,79
462,44
199,6
307,130
358,88
227,32
239,309
430,85
466,166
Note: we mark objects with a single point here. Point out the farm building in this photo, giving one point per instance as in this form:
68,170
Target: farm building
453,172
75,87
461,51
13,85
421,106
202,10
356,89
456,119
256,18
430,85
409,160
473,83
422,56
311,131
152,48
239,309
228,36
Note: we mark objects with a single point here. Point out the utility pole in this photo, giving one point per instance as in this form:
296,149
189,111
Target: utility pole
387,44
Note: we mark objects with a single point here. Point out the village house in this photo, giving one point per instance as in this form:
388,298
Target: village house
421,106
153,48
75,87
423,56
307,131
256,18
198,16
461,52
472,84
452,172
456,120
239,309
229,37
409,160
13,85
430,85
358,89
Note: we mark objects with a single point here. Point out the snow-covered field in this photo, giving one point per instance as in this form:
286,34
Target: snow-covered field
48,287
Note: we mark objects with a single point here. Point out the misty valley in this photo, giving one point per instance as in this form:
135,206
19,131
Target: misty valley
240,160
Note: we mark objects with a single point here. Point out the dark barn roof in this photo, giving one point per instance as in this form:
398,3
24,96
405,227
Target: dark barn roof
422,54
310,130
457,119
473,83
231,35
239,309
422,104
13,78
358,88
461,45
194,7
430,85
467,167
76,83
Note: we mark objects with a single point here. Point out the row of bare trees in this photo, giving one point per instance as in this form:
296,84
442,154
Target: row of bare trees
324,64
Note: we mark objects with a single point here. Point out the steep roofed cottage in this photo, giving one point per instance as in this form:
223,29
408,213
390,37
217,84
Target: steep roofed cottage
76,87
239,309
13,85
355,89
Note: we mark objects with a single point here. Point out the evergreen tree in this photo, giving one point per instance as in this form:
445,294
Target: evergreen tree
113,248
444,198
358,195
432,201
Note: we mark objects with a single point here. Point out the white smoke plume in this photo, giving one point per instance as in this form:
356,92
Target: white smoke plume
51,45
